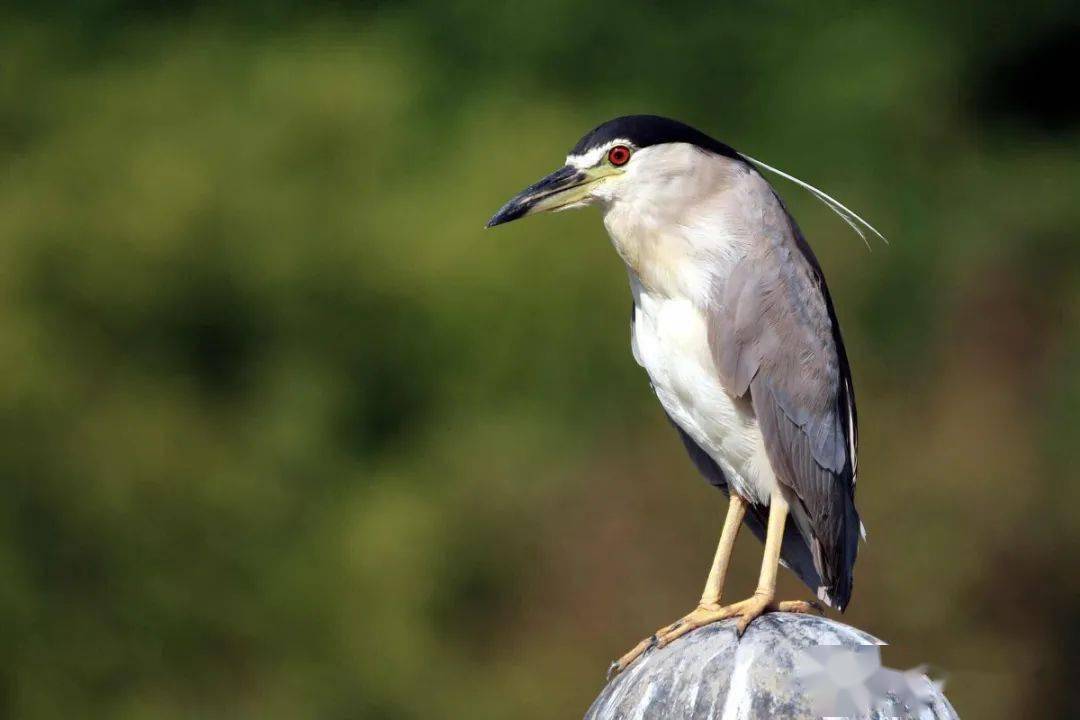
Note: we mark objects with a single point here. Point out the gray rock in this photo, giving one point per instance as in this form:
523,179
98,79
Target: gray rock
786,666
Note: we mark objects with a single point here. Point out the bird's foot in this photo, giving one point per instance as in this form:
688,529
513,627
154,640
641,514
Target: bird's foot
700,616
758,604
624,662
706,614
746,610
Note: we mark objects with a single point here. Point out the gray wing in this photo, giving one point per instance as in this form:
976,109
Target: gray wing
774,335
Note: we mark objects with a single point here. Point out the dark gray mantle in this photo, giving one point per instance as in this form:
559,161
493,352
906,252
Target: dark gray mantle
778,670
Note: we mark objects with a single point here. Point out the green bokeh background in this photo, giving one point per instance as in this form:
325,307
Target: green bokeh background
286,434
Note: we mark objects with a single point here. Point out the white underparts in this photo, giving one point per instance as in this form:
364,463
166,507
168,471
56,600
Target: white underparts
670,340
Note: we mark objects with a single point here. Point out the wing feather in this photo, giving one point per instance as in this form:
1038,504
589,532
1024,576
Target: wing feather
774,335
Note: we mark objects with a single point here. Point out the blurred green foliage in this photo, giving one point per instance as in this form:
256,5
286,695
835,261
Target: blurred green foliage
286,434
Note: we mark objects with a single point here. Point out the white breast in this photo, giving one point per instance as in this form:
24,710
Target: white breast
670,340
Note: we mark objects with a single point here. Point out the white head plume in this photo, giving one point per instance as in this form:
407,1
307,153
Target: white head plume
846,214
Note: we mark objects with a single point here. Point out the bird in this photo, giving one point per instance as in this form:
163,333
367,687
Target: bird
734,325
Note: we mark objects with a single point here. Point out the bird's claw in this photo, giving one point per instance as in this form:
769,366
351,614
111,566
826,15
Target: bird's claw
756,605
624,662
746,610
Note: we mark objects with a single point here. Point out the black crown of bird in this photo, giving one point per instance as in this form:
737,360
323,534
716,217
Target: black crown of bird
734,325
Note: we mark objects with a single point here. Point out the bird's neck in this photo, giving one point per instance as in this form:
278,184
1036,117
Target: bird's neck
676,249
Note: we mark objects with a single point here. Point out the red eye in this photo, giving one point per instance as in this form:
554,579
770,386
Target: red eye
618,155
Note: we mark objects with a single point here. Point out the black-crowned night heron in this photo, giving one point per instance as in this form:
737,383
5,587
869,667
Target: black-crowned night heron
734,325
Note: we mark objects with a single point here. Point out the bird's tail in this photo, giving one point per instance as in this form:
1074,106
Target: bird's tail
832,556
838,580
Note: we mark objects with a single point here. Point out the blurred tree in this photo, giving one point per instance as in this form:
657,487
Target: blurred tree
285,434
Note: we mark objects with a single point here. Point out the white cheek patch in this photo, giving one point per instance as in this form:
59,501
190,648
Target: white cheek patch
593,156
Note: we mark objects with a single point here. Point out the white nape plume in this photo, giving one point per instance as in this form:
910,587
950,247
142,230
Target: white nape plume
843,212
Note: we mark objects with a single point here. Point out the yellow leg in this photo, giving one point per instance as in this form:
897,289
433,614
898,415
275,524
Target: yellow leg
710,596
714,585
763,599
708,610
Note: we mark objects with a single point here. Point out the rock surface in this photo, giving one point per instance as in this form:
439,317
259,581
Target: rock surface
789,667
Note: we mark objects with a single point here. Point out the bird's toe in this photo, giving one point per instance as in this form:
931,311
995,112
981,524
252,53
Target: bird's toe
700,616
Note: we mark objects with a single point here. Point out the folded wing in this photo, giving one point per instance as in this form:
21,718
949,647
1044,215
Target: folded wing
774,336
